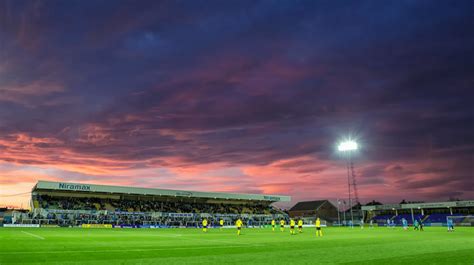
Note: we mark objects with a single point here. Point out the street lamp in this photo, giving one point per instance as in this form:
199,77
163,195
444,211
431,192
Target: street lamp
347,147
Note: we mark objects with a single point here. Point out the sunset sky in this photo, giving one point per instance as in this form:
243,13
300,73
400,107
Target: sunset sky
239,96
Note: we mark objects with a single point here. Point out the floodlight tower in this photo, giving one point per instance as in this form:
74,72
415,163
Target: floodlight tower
354,182
347,147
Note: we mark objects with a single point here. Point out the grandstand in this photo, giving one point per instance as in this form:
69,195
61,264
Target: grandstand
72,204
431,214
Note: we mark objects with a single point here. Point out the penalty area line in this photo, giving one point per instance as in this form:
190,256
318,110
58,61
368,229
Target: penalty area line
33,235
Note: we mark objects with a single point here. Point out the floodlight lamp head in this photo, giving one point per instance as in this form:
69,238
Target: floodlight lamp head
347,146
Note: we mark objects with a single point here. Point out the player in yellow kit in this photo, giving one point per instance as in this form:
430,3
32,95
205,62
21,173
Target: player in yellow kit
292,226
273,225
282,225
300,225
204,225
221,223
238,224
319,232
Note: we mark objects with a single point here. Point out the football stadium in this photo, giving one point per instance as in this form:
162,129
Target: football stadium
273,132
72,223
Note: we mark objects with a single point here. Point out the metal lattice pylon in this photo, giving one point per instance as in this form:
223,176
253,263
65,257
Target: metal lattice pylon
354,183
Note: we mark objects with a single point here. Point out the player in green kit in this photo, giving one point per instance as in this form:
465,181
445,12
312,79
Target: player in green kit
420,225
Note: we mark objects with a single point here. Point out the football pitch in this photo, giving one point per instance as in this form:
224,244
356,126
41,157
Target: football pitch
254,246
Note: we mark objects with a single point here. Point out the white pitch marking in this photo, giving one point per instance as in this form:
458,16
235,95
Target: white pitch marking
177,235
112,250
152,235
33,235
229,242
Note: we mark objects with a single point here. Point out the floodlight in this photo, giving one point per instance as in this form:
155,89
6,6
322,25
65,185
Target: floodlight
347,146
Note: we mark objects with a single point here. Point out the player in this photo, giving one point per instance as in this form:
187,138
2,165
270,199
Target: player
292,226
405,224
362,223
416,225
221,223
371,224
319,232
351,224
204,225
300,226
273,225
450,225
421,225
388,223
282,225
238,224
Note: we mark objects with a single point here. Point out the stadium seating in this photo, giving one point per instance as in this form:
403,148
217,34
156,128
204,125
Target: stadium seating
439,217
170,212
398,219
95,204
76,218
381,218
427,219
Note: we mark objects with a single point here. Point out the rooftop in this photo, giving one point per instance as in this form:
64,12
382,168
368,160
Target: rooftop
308,205
93,188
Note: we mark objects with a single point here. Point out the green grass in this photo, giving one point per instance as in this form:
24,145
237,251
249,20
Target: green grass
255,246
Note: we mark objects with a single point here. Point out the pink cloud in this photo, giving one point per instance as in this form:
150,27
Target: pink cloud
27,94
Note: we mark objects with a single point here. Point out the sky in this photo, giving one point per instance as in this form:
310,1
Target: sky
239,96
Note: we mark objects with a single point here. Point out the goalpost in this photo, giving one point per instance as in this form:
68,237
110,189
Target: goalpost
459,220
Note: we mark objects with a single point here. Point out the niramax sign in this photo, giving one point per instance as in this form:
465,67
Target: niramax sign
77,187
